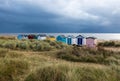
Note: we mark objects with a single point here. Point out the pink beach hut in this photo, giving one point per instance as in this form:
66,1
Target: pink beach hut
91,42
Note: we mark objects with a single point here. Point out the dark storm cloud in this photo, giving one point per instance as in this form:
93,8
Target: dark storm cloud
59,16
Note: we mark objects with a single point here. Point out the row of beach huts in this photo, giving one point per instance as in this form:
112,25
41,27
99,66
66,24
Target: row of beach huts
70,39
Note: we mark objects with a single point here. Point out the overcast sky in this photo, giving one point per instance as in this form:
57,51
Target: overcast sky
81,16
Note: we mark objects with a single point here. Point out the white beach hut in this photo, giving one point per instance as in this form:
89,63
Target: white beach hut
42,37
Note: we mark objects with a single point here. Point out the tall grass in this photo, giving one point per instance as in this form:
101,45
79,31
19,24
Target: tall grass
45,66
83,54
109,44
34,45
68,73
11,69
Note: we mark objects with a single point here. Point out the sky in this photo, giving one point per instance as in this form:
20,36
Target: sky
59,16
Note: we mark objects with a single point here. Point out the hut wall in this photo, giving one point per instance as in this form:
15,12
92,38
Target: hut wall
43,38
84,41
39,38
90,43
74,41
69,41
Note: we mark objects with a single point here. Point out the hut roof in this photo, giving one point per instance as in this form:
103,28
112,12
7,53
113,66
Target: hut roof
70,36
91,38
51,36
80,36
63,36
25,35
42,35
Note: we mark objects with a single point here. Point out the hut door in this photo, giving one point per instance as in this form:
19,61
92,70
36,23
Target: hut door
69,41
79,41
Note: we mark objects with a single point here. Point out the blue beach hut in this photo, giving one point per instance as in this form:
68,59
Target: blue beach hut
70,39
20,37
80,40
61,38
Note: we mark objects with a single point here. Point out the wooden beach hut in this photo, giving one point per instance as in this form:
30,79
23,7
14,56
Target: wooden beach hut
32,36
80,40
20,37
71,40
91,42
41,37
25,36
51,38
61,38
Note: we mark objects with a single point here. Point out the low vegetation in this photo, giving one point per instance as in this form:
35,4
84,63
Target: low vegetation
33,60
71,73
109,44
84,54
34,45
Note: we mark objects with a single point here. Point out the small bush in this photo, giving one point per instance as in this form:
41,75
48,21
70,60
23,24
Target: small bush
23,45
10,45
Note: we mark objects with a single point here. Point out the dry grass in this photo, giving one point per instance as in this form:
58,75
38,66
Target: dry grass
27,65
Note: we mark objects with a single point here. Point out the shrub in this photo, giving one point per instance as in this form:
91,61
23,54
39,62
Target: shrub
23,45
10,45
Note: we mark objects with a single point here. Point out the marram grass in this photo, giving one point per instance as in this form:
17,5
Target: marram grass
32,61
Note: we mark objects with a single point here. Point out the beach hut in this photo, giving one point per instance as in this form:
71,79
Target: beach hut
32,36
74,41
71,40
80,40
91,42
25,36
51,38
41,37
20,37
61,38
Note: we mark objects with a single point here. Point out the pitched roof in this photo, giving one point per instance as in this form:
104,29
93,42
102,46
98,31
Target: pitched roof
91,38
70,36
51,36
42,35
63,36
80,36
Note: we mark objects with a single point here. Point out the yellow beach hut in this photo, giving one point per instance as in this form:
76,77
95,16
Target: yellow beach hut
51,38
